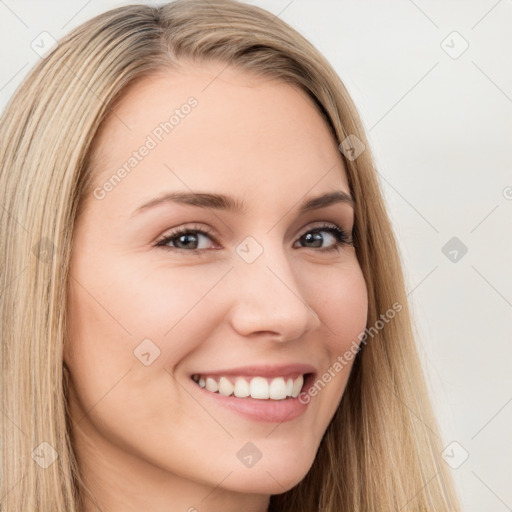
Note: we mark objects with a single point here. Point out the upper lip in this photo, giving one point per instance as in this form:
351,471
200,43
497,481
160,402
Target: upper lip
262,370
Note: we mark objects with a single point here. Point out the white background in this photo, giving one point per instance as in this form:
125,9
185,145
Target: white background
439,128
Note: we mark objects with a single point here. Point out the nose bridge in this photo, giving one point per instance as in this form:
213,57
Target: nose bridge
267,297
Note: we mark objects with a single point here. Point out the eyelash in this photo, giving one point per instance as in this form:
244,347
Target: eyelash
341,236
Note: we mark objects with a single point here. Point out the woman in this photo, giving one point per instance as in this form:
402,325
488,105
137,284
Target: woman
203,303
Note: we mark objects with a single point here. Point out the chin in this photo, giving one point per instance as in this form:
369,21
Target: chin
275,475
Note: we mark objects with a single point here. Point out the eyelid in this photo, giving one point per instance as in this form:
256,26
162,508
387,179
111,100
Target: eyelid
194,227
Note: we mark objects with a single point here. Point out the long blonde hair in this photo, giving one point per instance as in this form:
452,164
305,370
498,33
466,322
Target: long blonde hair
381,451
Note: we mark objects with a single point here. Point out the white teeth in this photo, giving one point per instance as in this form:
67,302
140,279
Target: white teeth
211,384
297,386
259,388
242,388
277,389
225,387
289,387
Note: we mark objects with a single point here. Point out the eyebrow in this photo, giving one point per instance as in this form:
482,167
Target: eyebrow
228,203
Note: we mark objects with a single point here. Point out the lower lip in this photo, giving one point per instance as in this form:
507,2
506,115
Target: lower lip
270,411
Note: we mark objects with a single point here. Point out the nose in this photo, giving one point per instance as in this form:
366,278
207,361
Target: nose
269,301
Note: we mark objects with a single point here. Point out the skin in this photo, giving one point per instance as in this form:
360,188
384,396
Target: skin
145,437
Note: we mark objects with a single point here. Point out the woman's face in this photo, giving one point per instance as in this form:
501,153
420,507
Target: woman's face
250,298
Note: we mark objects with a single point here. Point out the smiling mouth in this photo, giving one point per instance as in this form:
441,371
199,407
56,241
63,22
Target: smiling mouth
260,388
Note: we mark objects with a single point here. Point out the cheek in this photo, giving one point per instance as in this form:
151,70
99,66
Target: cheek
339,297
127,330
121,317
347,310
341,301
131,300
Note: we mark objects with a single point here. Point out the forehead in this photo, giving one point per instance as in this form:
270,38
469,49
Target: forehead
214,127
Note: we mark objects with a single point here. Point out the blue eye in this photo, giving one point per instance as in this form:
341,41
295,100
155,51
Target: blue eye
187,240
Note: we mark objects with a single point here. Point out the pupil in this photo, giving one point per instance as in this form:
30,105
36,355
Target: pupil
188,238
315,237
